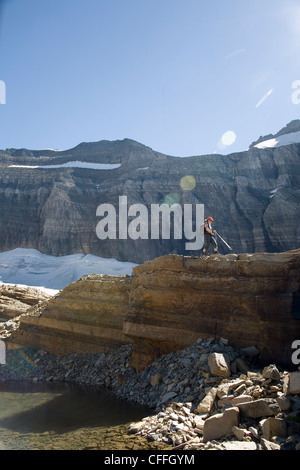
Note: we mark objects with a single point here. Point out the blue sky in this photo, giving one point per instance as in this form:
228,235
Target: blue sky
175,75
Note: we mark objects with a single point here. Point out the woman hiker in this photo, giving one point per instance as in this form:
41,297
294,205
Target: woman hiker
209,236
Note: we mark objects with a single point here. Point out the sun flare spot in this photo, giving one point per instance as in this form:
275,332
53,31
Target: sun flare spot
188,183
228,138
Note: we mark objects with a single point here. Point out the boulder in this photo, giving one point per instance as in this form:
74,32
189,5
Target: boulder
207,403
134,428
284,403
271,372
237,445
294,383
167,397
241,399
240,434
155,379
199,423
273,427
268,445
220,425
259,408
218,365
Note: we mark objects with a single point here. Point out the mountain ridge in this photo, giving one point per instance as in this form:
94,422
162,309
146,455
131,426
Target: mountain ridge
252,195
103,145
290,128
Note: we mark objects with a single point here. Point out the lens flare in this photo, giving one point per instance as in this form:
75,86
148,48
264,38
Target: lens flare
188,183
228,138
27,359
263,99
171,199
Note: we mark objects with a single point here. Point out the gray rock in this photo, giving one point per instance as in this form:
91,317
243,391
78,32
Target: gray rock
100,360
294,383
61,217
239,433
250,351
168,396
284,403
259,408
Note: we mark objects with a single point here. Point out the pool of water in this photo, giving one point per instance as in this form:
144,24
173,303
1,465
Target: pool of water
65,416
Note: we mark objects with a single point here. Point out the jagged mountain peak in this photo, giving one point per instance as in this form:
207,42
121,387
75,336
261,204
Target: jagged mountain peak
290,134
293,126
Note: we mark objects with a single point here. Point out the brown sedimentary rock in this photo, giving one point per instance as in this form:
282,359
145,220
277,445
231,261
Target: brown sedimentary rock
87,316
16,300
249,299
168,303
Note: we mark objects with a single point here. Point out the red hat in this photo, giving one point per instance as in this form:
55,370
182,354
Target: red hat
210,218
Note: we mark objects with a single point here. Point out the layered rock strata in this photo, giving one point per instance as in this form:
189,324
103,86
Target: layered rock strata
16,300
249,299
168,303
253,196
87,316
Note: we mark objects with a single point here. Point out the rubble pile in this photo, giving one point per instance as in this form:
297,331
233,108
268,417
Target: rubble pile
206,396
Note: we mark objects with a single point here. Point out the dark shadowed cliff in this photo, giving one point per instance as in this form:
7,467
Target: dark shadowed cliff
253,196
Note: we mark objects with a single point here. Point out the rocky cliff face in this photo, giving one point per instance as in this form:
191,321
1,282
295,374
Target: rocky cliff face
248,299
168,303
253,196
87,316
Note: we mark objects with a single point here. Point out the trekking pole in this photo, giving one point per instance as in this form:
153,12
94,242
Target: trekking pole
224,241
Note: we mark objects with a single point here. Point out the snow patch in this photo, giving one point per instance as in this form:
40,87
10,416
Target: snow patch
273,192
286,139
75,164
29,267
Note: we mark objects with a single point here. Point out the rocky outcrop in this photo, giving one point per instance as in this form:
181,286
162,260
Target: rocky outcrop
16,300
253,196
168,303
87,316
293,126
249,299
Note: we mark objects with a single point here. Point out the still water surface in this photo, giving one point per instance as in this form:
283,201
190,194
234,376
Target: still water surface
64,416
